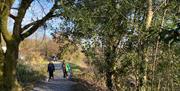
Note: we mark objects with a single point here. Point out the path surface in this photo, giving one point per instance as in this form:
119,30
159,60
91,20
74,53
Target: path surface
58,84
55,85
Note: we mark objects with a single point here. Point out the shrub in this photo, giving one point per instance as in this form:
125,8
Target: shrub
27,74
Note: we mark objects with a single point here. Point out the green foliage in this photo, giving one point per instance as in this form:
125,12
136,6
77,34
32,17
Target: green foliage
172,35
114,39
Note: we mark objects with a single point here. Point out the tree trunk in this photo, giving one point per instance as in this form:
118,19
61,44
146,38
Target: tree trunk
1,62
109,82
149,16
110,61
9,72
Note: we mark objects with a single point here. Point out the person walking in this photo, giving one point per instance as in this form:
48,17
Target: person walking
64,69
51,70
69,71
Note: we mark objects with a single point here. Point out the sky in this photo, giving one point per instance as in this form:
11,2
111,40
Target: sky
37,10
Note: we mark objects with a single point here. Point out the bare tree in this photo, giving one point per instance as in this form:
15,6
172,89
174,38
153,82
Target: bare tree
19,33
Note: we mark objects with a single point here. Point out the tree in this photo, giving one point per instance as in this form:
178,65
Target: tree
19,33
118,32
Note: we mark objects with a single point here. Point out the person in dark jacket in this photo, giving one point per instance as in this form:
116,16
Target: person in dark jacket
51,70
64,69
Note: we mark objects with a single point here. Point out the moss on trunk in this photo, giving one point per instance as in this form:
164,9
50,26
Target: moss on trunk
9,70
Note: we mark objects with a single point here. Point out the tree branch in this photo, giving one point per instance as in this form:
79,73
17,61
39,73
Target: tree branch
28,26
25,4
34,26
12,16
14,8
4,19
149,15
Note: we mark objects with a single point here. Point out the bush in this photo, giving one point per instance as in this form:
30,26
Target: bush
27,74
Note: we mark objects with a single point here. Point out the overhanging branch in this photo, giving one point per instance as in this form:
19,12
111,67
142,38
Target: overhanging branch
35,25
25,4
28,26
35,22
12,16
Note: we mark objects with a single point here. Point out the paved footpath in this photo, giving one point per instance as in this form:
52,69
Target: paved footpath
58,84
